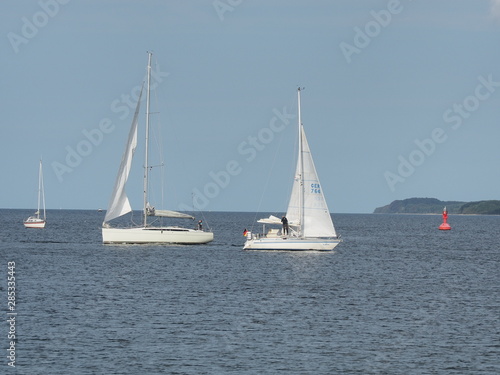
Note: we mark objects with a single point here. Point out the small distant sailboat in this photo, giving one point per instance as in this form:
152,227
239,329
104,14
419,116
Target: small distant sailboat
119,204
307,219
38,221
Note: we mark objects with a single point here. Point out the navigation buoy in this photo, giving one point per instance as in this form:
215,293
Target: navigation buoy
445,225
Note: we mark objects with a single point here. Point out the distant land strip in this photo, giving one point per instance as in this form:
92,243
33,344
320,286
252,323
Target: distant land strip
435,206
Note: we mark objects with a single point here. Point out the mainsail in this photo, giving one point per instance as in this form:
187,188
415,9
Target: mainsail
311,215
119,204
172,214
151,211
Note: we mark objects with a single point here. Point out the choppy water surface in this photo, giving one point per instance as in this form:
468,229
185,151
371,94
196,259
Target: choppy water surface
397,296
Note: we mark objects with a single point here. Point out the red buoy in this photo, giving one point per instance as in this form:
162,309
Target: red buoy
445,225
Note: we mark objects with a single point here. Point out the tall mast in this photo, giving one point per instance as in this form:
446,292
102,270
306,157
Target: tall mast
146,157
42,190
300,162
39,189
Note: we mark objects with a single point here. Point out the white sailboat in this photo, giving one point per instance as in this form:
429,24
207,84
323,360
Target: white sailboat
309,222
38,221
119,204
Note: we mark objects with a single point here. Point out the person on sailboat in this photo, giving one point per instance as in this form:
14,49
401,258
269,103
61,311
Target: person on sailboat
284,220
200,225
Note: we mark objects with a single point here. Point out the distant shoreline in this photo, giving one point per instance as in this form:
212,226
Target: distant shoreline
433,206
103,212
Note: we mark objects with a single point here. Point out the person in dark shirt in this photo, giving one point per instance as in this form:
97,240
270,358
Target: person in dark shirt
284,220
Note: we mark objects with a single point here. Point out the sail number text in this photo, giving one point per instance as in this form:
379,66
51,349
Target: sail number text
315,189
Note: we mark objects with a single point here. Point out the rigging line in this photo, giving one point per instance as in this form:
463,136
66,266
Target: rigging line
271,169
159,145
157,140
162,160
293,164
267,181
201,212
292,170
132,219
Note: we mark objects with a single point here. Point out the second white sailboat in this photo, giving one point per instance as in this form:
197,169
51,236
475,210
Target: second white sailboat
119,204
307,224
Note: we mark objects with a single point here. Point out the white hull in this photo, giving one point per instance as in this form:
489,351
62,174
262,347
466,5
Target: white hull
34,223
280,243
141,235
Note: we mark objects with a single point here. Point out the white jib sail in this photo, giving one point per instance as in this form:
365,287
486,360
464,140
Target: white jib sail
119,204
317,219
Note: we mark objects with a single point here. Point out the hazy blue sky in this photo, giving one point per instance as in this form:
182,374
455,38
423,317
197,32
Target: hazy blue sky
402,99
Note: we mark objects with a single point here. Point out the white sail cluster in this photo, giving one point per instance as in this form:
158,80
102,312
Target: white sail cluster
311,216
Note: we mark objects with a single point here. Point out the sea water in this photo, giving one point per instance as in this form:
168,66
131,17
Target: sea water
398,296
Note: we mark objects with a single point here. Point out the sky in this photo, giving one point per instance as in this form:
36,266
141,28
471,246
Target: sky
401,99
